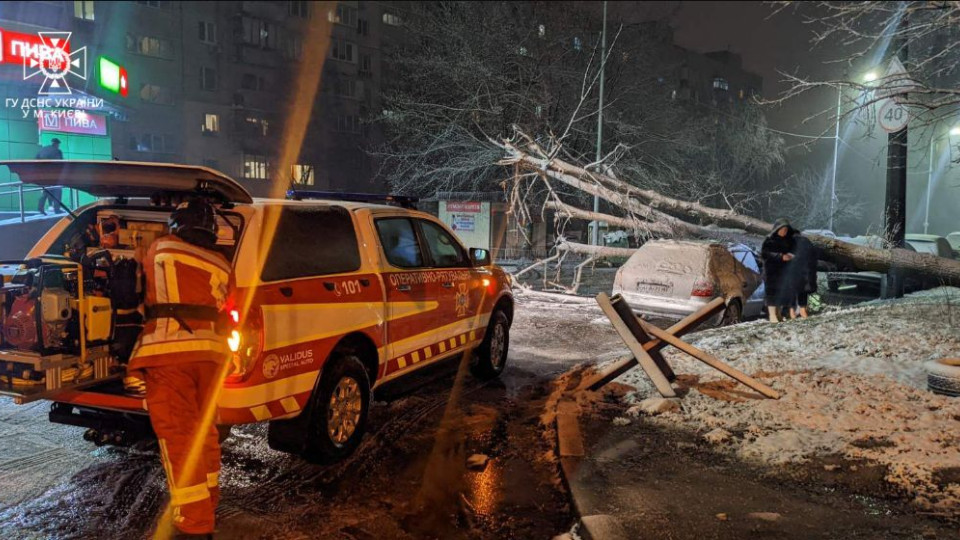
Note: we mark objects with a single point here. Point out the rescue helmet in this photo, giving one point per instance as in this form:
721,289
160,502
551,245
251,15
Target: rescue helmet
194,221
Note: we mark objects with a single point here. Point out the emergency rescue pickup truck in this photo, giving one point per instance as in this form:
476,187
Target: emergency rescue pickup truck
334,299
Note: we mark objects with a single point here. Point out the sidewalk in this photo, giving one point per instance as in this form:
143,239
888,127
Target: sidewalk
637,480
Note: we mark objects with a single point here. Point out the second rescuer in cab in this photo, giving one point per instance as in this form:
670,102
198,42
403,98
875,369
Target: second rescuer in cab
181,352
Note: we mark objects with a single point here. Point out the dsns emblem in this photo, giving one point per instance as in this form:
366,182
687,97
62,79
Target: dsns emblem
271,366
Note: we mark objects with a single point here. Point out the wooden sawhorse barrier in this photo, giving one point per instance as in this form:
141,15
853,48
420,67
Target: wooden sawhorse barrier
645,342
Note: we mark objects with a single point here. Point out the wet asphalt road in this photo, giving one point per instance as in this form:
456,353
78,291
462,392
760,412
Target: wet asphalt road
407,480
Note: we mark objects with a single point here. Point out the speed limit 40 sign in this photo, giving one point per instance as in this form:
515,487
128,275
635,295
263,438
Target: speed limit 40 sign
892,116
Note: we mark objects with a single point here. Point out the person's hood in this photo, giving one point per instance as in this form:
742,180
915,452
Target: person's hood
781,223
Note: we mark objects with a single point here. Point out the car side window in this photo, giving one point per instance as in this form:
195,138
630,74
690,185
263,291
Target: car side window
399,241
444,248
311,241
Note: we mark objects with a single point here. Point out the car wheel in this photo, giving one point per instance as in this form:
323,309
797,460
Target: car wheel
733,314
340,406
492,352
943,376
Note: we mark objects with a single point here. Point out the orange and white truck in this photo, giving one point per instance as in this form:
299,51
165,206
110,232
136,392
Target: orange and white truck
334,299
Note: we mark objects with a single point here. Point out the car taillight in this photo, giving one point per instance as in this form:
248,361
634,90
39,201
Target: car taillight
246,343
702,289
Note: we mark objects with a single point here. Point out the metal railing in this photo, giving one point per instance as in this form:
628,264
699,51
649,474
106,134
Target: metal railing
21,188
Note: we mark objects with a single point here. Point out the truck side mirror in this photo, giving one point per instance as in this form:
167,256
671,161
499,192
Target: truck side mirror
479,257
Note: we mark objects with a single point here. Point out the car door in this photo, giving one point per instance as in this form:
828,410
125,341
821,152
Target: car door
461,291
754,303
411,296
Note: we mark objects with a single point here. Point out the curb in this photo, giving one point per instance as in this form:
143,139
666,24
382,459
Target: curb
570,448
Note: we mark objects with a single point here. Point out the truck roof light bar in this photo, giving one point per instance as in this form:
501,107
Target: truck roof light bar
403,201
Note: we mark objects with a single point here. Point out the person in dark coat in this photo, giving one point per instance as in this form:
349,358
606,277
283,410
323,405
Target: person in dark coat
777,254
51,151
803,272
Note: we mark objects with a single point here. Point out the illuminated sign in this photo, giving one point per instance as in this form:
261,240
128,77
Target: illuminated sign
73,121
17,48
47,54
113,76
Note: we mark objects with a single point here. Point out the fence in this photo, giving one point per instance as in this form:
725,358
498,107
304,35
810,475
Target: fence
16,192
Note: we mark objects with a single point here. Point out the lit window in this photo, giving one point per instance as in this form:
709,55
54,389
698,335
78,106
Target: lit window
260,33
522,51
255,166
719,83
344,15
83,9
577,44
152,93
392,20
211,123
303,175
150,46
258,125
208,32
208,78
542,30
341,49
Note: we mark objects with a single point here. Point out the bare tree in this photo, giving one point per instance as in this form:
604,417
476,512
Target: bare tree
866,36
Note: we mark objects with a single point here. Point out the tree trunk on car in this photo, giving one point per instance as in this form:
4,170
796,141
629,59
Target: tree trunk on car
660,215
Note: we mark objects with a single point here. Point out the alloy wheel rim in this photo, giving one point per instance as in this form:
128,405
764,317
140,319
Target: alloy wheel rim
343,412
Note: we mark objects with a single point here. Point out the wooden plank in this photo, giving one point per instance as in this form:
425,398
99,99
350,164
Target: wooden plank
633,323
685,326
649,366
711,361
694,320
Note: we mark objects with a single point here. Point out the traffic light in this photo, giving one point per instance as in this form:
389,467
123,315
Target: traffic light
113,76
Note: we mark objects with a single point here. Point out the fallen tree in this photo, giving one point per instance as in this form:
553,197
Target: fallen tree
655,214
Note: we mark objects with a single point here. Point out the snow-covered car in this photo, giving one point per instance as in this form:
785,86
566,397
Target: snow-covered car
672,279
954,240
932,244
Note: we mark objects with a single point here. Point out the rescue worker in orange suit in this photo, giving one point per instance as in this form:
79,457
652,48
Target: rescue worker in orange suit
180,354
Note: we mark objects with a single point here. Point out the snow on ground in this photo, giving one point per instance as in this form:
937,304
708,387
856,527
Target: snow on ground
852,385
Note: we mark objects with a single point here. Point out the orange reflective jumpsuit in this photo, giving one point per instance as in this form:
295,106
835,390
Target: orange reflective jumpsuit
181,366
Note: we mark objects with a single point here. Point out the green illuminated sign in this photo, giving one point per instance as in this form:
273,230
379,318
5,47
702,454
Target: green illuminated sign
113,76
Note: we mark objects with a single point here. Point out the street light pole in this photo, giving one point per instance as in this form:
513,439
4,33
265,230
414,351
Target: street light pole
926,215
836,157
895,206
595,237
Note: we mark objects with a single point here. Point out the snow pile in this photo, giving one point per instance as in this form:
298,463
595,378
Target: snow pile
852,385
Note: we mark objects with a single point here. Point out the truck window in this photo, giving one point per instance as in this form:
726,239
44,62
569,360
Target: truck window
311,241
399,242
444,249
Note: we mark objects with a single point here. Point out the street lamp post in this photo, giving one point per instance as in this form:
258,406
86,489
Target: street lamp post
836,157
595,236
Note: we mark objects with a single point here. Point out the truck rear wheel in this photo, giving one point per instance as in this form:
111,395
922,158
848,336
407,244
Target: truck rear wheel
339,413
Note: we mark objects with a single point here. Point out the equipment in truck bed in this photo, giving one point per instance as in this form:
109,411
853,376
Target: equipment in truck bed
55,326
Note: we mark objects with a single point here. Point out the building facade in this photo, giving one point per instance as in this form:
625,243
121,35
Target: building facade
210,83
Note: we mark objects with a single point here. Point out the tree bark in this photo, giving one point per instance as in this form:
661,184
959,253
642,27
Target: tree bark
630,223
649,205
595,251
